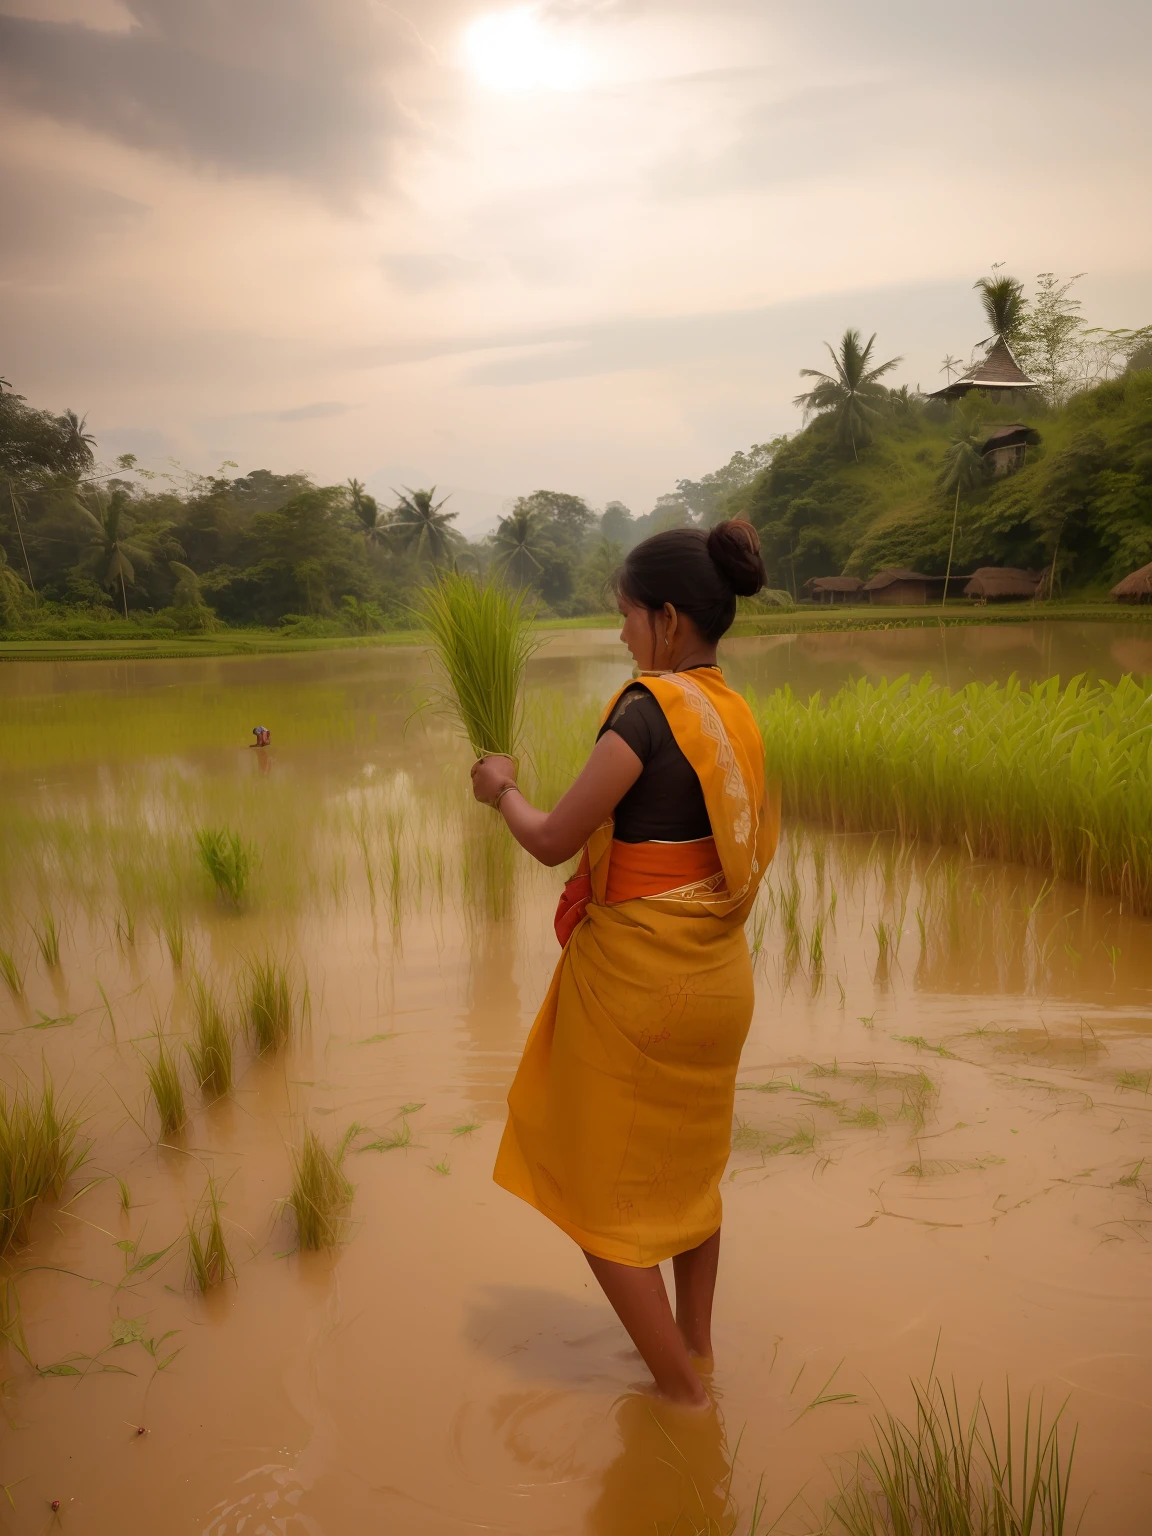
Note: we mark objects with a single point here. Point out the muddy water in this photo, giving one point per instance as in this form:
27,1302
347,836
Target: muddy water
940,1137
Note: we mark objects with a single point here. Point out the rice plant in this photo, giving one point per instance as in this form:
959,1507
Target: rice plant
269,1001
481,641
172,928
48,939
1055,777
228,861
39,1151
167,1090
211,1050
209,1262
321,1193
947,1472
11,972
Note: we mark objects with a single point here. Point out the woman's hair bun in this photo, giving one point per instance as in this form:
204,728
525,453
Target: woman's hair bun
735,550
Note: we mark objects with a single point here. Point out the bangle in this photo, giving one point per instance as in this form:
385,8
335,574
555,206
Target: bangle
495,804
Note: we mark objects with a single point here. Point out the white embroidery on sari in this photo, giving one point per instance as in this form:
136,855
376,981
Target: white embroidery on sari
713,727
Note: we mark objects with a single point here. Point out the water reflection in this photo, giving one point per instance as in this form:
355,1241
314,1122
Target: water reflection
670,1476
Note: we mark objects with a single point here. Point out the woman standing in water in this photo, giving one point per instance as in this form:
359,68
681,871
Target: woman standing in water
620,1115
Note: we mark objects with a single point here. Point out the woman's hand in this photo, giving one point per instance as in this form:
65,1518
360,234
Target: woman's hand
490,775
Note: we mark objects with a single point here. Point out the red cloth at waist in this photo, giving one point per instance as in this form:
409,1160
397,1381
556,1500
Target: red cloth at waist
636,870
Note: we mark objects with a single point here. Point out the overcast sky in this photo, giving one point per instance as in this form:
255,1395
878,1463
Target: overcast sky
582,244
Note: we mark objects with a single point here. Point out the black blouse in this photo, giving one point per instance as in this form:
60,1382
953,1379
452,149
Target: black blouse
666,803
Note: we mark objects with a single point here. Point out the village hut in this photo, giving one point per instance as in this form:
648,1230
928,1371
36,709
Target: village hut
1003,583
1005,449
1136,588
832,589
899,587
998,373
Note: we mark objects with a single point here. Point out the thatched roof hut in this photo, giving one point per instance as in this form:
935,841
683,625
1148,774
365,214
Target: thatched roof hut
1005,449
998,372
997,583
899,586
1136,588
832,589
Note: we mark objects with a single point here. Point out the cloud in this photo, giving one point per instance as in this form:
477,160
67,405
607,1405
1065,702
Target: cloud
48,218
320,410
293,88
421,271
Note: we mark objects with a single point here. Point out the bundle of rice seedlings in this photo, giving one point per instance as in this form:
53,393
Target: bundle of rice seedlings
227,859
167,1090
947,1472
270,1003
172,928
211,1051
481,640
321,1193
209,1262
38,1153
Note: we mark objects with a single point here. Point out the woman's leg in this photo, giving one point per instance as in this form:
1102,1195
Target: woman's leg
641,1303
695,1273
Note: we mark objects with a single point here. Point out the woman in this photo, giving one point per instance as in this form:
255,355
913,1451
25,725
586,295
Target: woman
620,1115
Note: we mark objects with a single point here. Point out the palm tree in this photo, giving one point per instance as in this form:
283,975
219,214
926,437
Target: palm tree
518,545
852,394
965,470
950,365
110,537
1003,301
418,524
367,512
603,563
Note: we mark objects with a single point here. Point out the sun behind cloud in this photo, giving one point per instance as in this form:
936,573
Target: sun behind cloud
516,50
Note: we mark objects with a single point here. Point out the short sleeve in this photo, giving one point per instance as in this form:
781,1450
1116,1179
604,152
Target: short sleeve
637,719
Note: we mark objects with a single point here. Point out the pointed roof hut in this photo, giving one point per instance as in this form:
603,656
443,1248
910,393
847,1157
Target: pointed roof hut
1136,588
997,371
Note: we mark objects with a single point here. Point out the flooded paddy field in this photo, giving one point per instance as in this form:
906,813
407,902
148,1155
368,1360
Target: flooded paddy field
942,1146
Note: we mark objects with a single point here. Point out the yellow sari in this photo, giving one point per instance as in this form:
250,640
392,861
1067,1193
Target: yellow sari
620,1114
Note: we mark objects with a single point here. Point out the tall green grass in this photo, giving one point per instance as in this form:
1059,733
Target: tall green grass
48,940
227,859
949,1474
39,1150
167,1090
270,1003
11,972
1055,777
210,1051
321,1193
209,1262
481,640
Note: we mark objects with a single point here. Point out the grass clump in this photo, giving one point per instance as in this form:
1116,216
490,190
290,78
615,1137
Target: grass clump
481,640
11,972
39,1151
48,940
211,1050
1057,777
949,1473
321,1193
270,1003
228,861
167,1090
209,1262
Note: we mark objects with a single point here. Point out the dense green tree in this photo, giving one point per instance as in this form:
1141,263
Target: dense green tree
965,467
116,552
852,395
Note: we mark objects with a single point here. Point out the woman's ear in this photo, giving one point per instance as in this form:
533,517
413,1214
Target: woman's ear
671,623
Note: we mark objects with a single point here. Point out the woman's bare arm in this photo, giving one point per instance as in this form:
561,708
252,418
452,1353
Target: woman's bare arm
554,836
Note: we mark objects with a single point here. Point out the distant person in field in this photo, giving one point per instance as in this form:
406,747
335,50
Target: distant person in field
262,734
620,1116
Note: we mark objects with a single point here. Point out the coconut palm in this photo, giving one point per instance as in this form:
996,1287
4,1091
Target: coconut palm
950,365
417,523
852,394
1003,301
965,469
367,512
79,443
109,532
518,546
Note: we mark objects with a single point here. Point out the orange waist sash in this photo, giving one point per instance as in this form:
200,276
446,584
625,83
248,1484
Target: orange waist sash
637,870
